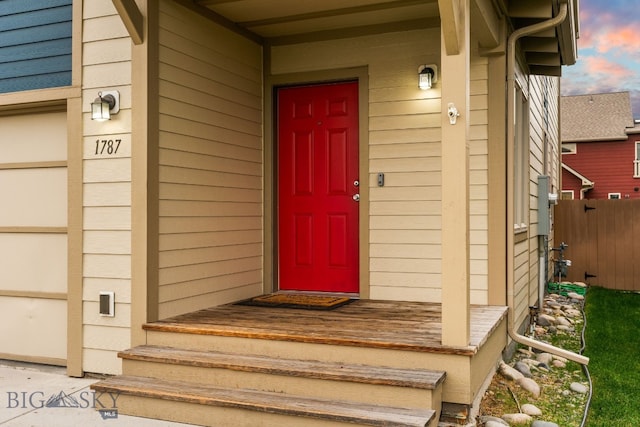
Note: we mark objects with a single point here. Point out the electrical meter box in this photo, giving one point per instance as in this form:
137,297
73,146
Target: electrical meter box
544,212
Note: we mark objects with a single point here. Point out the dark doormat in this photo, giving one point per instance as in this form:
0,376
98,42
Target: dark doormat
302,301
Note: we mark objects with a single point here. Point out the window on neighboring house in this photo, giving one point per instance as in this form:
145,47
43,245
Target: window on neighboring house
614,196
521,160
569,148
636,162
567,195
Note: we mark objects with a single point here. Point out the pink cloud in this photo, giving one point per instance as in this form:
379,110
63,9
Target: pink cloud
624,38
605,26
601,65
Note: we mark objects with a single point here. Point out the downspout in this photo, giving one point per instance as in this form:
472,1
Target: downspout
511,81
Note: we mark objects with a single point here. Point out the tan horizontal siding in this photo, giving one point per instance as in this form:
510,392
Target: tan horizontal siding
185,127
478,179
407,251
107,194
208,239
207,162
107,218
201,113
406,265
210,163
106,63
176,175
203,286
201,34
207,271
403,136
432,192
521,282
181,257
407,207
207,145
235,293
410,179
405,236
188,224
417,222
400,150
543,100
208,193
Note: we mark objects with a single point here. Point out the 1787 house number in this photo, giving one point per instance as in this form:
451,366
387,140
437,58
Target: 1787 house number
107,146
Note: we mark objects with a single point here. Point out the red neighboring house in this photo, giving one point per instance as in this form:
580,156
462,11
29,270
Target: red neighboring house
600,147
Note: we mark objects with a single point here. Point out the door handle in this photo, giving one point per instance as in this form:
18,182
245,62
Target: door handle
356,197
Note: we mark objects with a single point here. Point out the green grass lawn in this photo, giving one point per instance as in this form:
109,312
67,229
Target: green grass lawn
613,346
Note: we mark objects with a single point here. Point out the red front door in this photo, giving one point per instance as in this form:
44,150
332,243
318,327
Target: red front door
318,188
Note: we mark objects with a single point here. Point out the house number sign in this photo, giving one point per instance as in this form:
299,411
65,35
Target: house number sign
107,147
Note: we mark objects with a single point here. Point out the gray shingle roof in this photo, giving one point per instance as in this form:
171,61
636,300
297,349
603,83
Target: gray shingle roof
596,117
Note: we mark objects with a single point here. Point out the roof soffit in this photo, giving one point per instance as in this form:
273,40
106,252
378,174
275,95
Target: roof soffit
287,20
546,52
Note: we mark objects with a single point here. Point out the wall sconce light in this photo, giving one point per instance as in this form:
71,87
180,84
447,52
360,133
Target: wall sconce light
105,105
427,76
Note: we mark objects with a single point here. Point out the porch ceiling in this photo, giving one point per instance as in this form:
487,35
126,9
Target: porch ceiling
282,20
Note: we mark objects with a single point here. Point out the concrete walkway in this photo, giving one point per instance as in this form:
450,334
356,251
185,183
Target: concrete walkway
44,396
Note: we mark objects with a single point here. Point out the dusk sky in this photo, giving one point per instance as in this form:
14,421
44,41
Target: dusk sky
608,51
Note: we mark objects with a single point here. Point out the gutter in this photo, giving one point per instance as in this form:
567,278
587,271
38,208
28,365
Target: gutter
511,81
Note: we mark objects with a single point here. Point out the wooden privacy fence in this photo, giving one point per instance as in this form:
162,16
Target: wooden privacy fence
604,241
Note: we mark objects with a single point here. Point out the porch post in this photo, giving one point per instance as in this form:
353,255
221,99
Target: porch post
454,15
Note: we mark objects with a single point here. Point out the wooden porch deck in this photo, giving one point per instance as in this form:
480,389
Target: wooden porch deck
412,326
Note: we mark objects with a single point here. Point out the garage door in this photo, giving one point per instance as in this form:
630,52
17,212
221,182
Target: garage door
33,237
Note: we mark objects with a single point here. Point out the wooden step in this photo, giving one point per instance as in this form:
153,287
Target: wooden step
414,378
248,407
286,349
388,386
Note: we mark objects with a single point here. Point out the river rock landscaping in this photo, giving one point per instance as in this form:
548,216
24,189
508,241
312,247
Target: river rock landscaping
539,389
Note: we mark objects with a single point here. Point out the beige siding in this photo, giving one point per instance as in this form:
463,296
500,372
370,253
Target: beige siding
545,154
106,188
479,180
404,143
543,95
521,245
210,164
521,279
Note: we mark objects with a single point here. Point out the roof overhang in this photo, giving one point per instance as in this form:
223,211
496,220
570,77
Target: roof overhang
586,182
284,21
546,52
280,21
599,139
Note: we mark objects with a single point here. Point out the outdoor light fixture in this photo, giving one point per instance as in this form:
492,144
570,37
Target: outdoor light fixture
105,105
427,76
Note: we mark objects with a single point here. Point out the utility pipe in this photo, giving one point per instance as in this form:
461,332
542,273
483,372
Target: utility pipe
542,268
511,90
